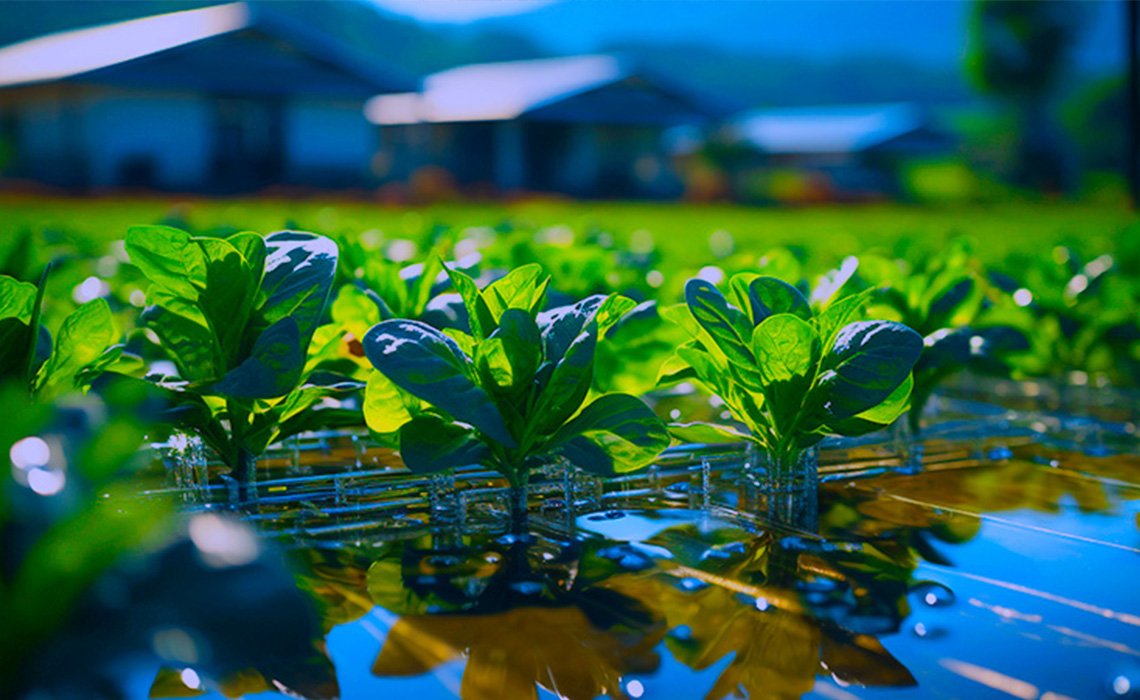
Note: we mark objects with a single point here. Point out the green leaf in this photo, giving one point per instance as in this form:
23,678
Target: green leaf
252,248
478,314
893,406
181,329
707,433
17,299
738,290
229,296
299,272
615,434
522,288
561,326
510,357
273,367
429,365
421,291
770,296
169,258
568,385
385,406
430,444
727,327
869,361
787,353
85,334
786,348
613,310
14,341
843,311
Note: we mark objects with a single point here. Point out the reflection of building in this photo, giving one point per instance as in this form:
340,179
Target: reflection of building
836,152
584,125
216,99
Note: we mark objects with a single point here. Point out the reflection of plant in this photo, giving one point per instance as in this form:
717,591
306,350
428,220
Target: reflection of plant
497,605
789,375
236,315
778,642
511,394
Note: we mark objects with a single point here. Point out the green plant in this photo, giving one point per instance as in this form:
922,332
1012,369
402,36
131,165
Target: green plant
83,347
510,394
951,306
236,315
789,375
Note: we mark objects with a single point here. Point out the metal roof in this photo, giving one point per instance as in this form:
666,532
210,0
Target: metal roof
835,129
99,51
496,91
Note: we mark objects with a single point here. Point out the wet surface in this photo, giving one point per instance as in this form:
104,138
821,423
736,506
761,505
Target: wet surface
1007,577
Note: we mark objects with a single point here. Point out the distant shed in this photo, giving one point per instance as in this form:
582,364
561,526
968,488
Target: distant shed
851,151
580,125
223,98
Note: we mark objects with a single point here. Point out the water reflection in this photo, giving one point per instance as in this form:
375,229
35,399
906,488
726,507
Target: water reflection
947,579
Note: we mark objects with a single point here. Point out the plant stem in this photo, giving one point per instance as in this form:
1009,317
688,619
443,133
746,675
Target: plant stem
518,478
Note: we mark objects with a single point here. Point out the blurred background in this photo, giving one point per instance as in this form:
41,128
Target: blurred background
414,100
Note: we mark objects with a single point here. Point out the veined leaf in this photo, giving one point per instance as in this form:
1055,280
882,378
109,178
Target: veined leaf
522,288
511,355
229,295
429,365
181,328
430,444
85,334
841,312
273,367
787,353
17,299
707,433
727,327
169,258
869,361
252,248
478,314
616,433
569,383
770,296
299,272
385,409
561,326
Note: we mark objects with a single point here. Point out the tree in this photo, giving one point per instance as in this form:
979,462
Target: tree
1019,52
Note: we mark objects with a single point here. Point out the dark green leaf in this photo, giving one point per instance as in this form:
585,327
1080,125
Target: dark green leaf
85,334
273,367
429,365
727,327
561,326
869,361
770,296
569,383
478,315
299,272
430,444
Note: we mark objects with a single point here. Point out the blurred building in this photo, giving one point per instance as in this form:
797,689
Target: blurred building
828,153
584,125
219,99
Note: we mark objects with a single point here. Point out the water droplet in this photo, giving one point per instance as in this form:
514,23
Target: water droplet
761,604
635,689
933,594
999,454
1121,685
925,631
690,584
190,679
681,633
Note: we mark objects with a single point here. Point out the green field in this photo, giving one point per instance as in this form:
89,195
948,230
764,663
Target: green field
680,231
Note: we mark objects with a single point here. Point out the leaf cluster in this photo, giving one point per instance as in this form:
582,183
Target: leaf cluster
511,392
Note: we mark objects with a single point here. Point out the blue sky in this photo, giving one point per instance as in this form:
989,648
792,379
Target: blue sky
931,32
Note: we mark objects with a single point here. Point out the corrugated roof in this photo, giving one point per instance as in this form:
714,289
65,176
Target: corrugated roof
76,53
496,91
838,129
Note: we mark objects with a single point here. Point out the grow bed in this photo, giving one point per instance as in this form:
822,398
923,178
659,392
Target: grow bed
996,567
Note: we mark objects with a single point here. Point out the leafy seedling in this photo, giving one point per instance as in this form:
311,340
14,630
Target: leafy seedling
789,375
235,315
512,394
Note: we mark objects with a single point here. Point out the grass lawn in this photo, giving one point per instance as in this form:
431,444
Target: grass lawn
680,230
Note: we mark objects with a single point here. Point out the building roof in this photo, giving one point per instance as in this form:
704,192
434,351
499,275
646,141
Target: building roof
512,89
834,129
96,52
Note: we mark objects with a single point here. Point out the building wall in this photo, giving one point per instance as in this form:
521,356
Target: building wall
150,139
328,143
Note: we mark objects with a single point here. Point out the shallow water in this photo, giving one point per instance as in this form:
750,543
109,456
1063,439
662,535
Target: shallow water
973,578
